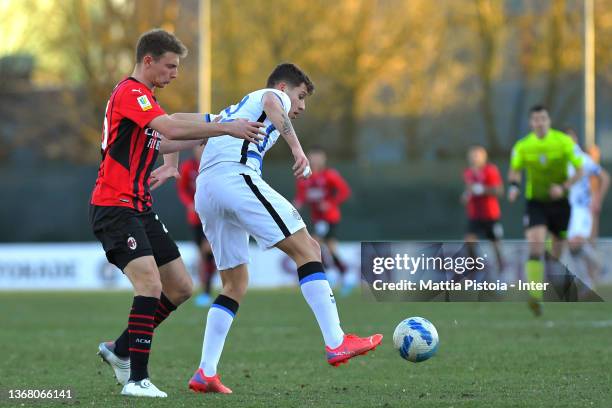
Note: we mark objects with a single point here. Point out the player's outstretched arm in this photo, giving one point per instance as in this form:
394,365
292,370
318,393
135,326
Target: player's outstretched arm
195,117
179,129
279,118
170,146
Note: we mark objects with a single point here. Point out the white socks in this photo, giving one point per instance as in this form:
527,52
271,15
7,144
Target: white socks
318,295
219,320
320,298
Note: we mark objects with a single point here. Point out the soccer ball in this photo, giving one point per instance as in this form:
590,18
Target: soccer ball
416,339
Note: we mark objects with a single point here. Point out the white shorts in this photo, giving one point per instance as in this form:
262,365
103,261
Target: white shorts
234,202
580,223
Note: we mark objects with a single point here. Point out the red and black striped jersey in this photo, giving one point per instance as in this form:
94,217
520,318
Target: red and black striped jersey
129,147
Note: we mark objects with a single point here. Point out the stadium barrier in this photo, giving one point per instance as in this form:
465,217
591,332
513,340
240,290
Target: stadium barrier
83,266
78,266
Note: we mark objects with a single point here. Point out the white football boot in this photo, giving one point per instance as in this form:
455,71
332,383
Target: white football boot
121,366
142,388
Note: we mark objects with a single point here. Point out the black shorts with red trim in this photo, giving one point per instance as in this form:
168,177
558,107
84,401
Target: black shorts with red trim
486,229
127,234
325,230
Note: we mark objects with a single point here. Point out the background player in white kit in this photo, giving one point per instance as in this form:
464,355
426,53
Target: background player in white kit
234,202
584,204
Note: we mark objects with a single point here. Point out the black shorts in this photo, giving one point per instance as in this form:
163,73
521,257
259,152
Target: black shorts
198,234
488,229
554,215
324,230
127,234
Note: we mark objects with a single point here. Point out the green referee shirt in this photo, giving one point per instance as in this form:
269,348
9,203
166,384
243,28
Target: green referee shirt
545,161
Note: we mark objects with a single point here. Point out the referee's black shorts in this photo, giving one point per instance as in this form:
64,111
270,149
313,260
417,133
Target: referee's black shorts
127,234
554,215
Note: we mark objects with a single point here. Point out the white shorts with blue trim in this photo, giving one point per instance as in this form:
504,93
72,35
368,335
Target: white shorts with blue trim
233,202
580,223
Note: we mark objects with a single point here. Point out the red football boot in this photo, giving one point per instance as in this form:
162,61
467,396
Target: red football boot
352,346
201,383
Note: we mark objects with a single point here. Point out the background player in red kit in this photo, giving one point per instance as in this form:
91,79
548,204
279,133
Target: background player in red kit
324,191
132,235
186,186
483,185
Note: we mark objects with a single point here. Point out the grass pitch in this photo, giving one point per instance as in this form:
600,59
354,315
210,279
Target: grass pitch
490,354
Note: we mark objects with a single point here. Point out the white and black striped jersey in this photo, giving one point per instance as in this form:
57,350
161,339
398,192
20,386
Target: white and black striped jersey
230,149
580,192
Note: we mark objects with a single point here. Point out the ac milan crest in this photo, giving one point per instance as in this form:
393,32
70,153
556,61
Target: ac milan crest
131,243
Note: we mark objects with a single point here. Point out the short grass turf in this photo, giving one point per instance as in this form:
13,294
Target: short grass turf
490,354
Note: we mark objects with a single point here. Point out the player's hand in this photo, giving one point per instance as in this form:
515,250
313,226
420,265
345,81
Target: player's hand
556,191
162,174
477,189
513,193
301,163
324,206
243,129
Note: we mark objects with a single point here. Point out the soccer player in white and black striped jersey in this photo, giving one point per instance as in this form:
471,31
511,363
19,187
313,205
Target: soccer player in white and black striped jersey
234,202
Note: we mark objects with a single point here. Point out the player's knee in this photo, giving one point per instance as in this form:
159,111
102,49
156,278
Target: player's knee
144,275
575,250
183,292
470,238
316,248
537,249
575,245
308,250
149,286
235,290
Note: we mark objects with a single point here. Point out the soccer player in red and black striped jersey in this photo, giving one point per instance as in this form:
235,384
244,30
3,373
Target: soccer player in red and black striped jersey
483,186
135,130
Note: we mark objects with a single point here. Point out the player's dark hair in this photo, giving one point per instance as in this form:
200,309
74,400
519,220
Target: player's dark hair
537,108
156,43
291,74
